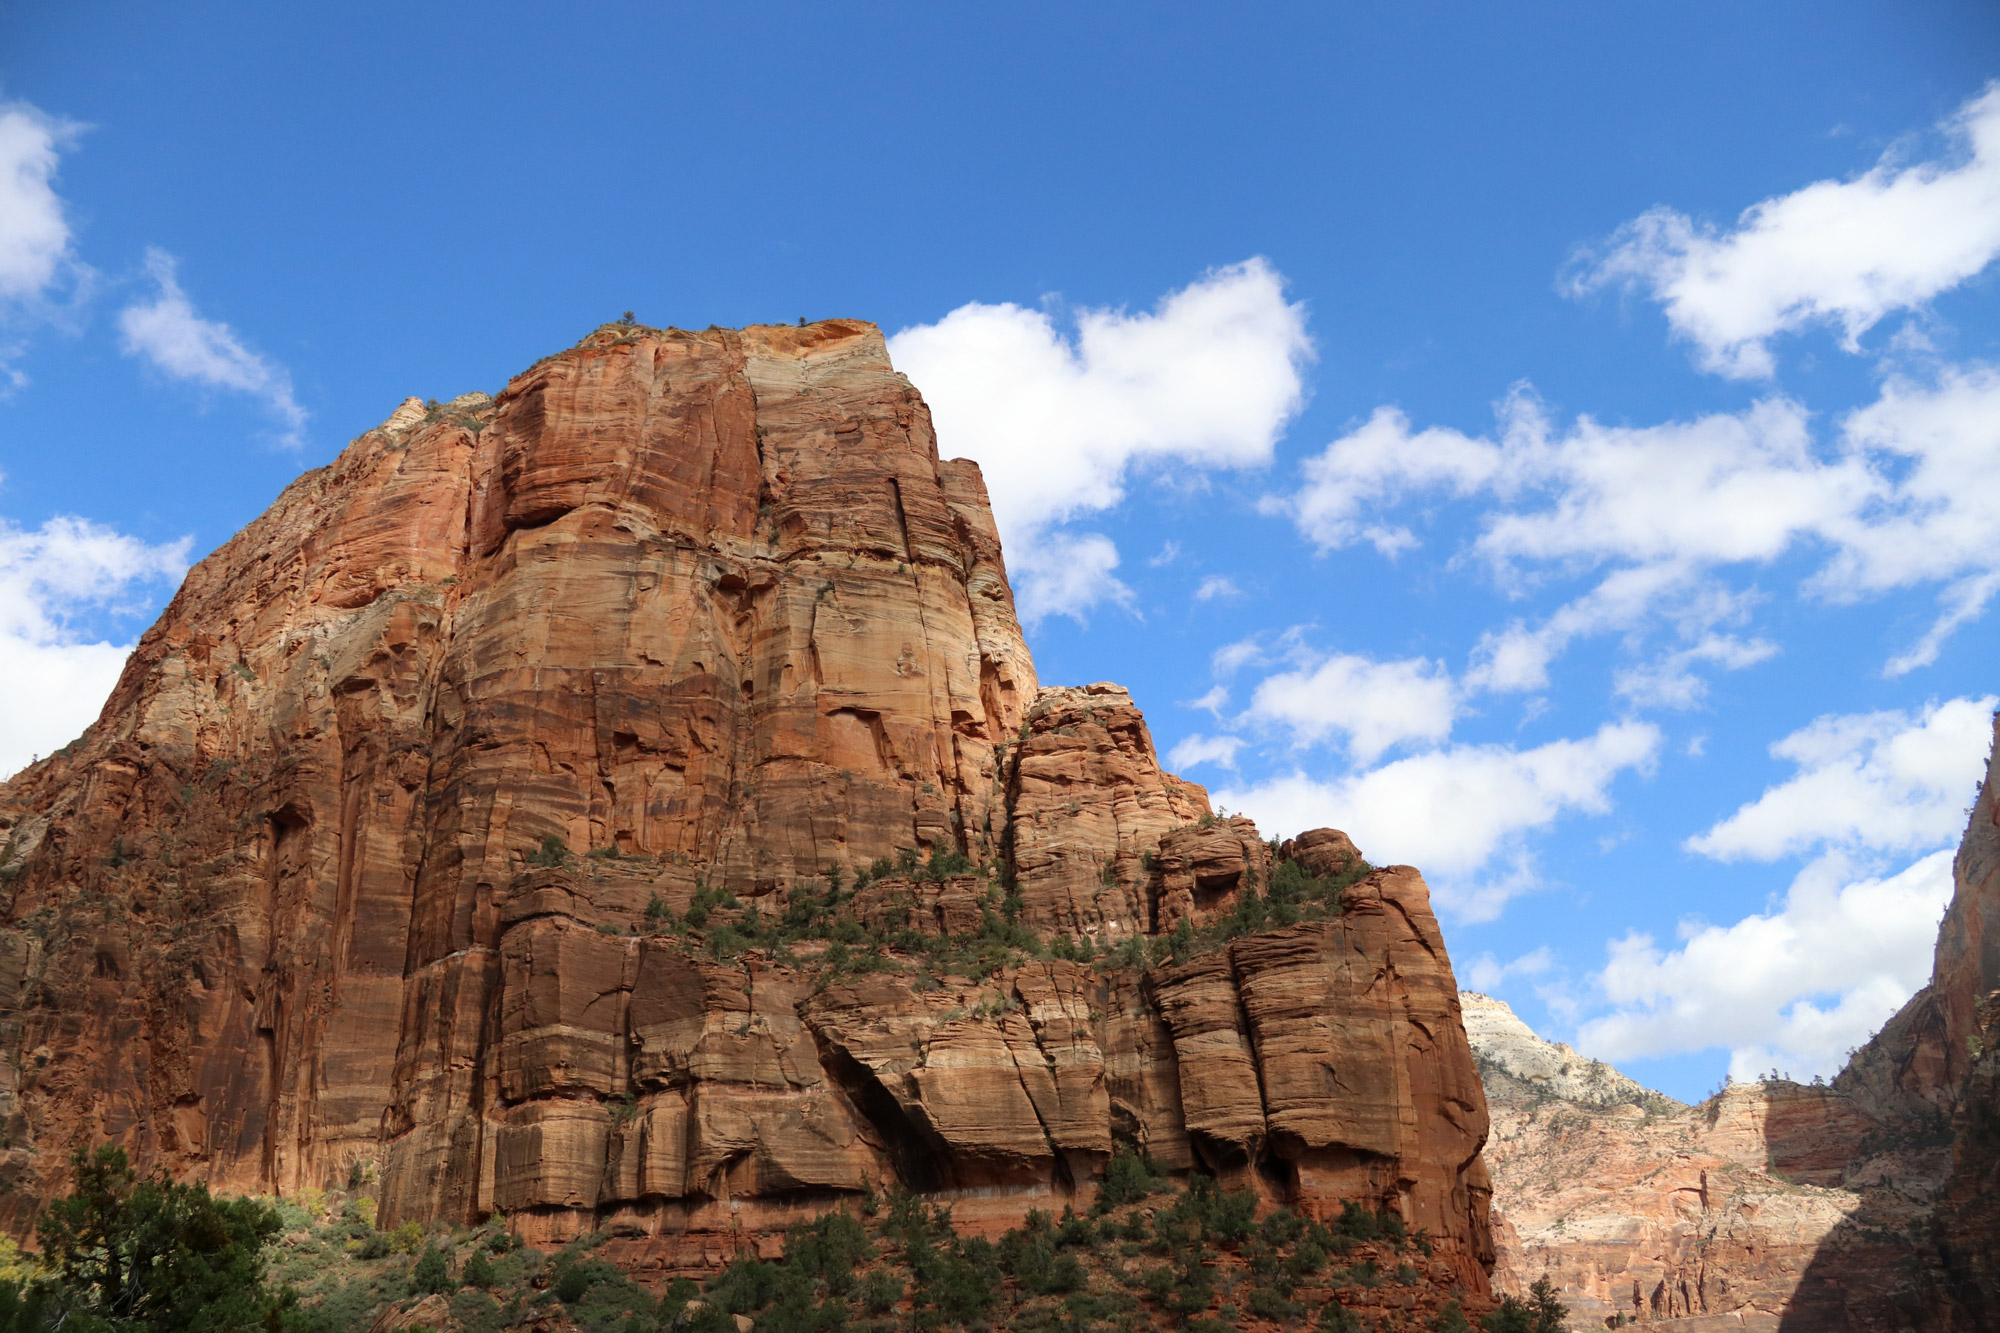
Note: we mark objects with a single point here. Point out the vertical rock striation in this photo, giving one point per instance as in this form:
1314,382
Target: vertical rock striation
413,836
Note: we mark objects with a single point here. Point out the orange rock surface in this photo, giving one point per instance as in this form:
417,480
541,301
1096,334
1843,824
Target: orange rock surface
362,868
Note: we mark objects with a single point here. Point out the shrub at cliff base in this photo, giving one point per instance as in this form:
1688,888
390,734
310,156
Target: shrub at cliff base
125,1253
122,1252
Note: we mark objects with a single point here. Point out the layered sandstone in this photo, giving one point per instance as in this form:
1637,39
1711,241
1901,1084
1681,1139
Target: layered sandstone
413,837
1642,1208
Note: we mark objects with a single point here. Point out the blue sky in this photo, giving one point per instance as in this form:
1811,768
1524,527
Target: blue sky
1559,443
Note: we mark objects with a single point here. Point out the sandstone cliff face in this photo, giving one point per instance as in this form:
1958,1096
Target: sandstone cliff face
1685,1217
1918,1253
414,836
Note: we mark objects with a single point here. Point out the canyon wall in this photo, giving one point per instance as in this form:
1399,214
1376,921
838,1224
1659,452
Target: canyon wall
1646,1210
440,832
1867,1205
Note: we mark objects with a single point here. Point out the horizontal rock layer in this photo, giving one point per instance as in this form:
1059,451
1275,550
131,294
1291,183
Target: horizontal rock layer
708,611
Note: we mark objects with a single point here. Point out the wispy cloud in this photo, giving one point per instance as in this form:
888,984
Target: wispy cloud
168,334
1217,585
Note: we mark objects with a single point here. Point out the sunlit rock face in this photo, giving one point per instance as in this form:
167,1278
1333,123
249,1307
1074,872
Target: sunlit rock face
428,838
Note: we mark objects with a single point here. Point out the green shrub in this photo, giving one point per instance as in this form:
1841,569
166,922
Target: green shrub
553,852
432,1273
478,1270
1337,1318
1268,1302
1128,1177
1065,1274
1451,1319
881,1292
747,1284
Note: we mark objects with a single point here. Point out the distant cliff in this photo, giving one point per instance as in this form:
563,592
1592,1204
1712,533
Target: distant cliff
1871,1205
629,803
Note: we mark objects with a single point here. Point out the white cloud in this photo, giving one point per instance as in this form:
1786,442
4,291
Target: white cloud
1217,585
1208,379
1199,749
1940,517
1964,602
1214,701
53,679
1488,973
1793,988
35,238
1843,253
177,341
1233,657
1374,704
1907,492
1066,574
1454,811
34,234
1379,461
1669,681
1882,781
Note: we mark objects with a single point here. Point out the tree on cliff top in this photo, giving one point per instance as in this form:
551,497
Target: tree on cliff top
122,1252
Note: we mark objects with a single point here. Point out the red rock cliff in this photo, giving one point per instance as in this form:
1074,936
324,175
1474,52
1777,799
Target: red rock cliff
709,609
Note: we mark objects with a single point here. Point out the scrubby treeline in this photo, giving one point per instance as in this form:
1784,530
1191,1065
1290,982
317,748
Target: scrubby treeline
124,1252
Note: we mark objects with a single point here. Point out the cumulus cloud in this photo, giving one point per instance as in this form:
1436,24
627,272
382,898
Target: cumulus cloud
1669,680
1066,573
1058,423
54,676
168,334
35,238
1841,253
1200,749
1935,449
1794,988
1375,705
1379,462
34,234
1457,810
1883,781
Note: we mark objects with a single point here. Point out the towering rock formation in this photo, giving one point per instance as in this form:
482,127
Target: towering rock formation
438,828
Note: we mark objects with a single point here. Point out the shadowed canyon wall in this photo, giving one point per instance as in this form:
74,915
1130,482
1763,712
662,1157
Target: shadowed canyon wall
365,864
